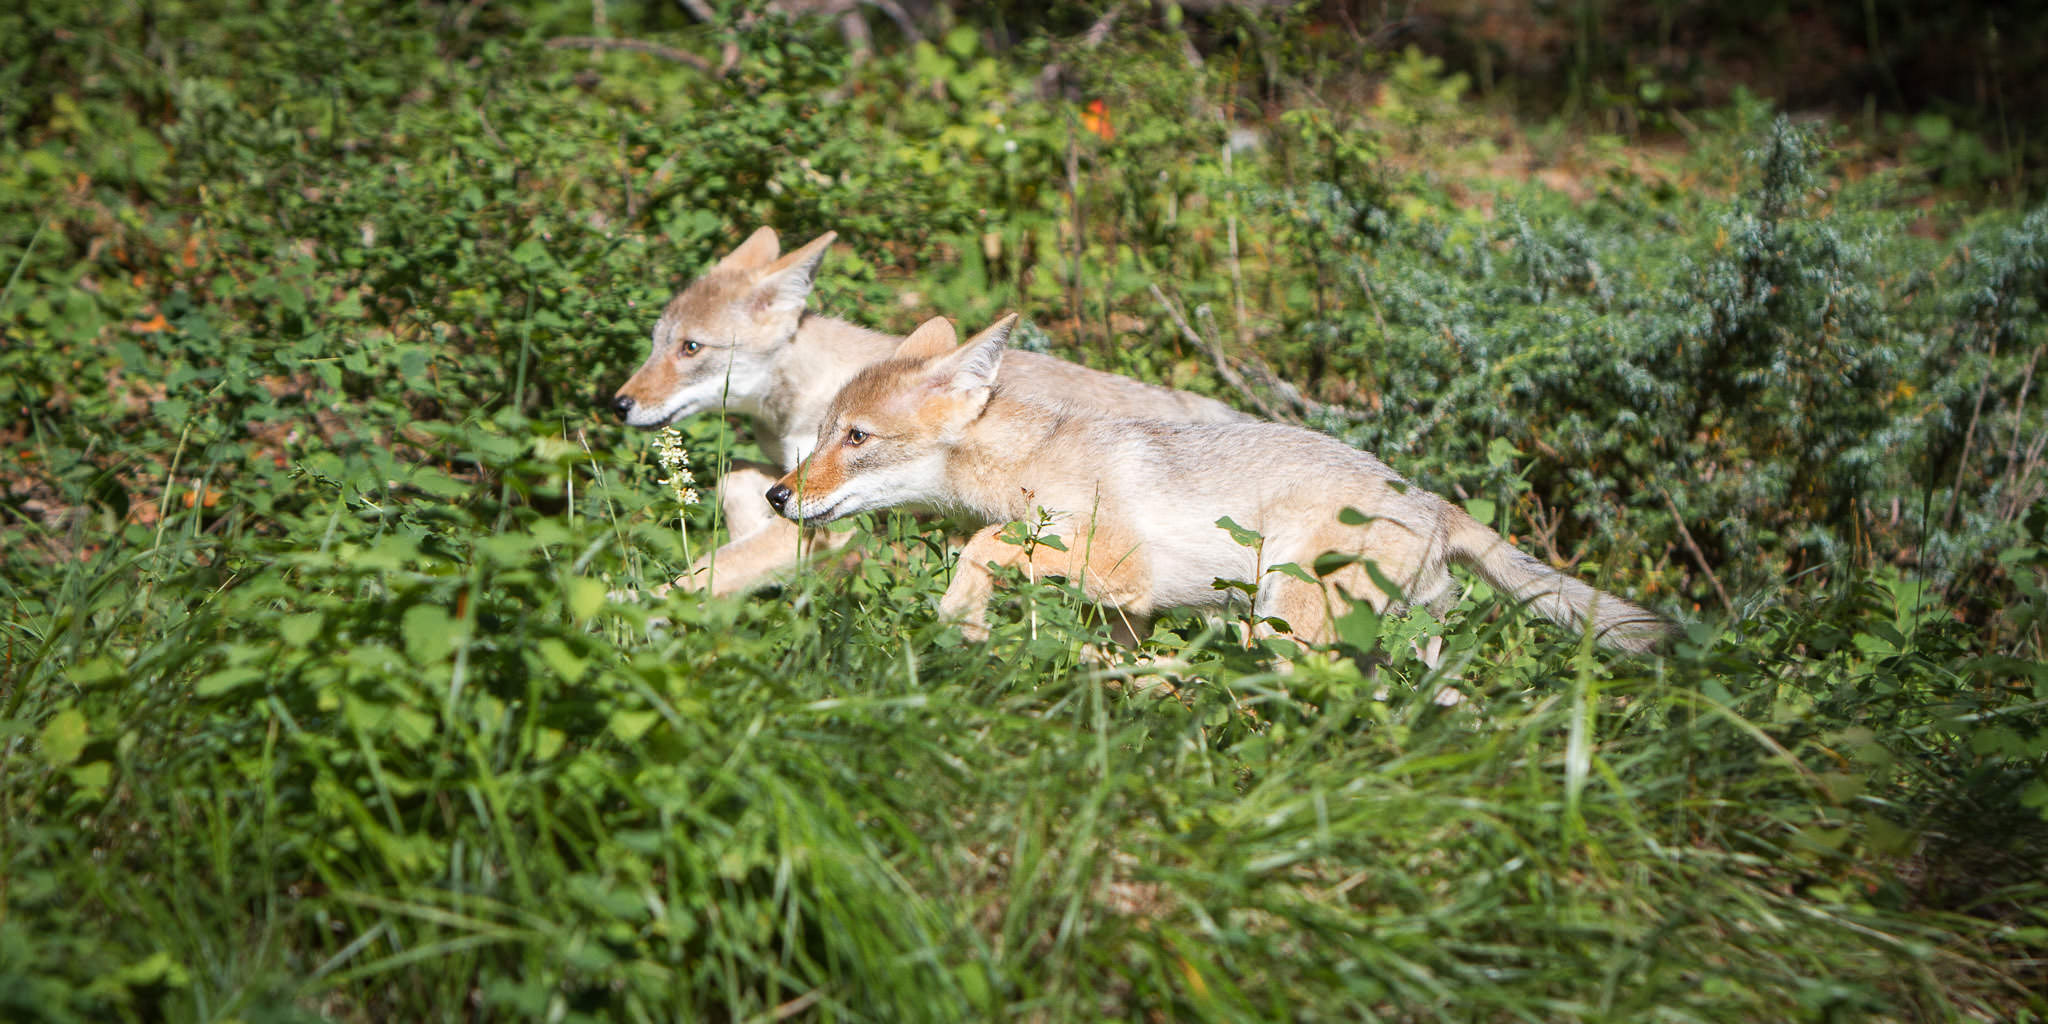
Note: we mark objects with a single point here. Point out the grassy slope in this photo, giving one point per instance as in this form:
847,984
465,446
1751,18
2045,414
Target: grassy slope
313,705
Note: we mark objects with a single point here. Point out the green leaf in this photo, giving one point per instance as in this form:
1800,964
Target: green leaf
1244,537
157,969
1933,128
586,596
548,743
629,726
93,777
562,661
1360,626
436,483
64,737
1481,509
963,41
225,680
429,633
1501,453
94,671
1291,569
299,630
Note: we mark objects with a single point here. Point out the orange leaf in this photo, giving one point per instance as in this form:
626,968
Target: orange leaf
151,326
1096,119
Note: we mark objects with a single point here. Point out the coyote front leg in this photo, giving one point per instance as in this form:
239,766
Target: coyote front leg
1108,573
762,545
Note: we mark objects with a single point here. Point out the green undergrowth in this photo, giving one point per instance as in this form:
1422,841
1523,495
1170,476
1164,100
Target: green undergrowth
314,705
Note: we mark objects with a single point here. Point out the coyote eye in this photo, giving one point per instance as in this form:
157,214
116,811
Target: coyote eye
854,436
690,348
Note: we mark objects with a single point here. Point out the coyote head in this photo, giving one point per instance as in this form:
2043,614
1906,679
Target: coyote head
886,439
716,342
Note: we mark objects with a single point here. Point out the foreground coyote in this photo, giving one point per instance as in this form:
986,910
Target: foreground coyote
739,340
1135,503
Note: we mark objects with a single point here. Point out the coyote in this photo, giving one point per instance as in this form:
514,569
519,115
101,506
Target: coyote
1136,504
739,340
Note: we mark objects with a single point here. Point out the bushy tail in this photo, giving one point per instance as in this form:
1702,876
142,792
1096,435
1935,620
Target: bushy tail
1614,622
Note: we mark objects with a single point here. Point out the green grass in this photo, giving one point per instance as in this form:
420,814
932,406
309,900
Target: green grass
312,705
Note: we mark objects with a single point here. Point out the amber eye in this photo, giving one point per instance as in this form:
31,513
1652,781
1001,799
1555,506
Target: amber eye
691,348
854,436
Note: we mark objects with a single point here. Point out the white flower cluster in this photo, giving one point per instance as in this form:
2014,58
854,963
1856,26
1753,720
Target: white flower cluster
675,460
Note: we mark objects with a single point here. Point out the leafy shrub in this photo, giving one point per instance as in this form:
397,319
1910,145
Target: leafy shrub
314,706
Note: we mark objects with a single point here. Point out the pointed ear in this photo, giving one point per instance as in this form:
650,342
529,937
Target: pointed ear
975,364
757,251
785,285
934,337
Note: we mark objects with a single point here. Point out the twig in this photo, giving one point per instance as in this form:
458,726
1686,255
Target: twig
1080,246
1244,331
469,13
635,45
1970,436
1698,556
485,120
2019,405
1049,75
1296,405
901,17
698,9
1100,30
854,29
1223,369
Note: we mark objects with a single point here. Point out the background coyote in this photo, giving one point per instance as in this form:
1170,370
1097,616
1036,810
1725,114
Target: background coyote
739,340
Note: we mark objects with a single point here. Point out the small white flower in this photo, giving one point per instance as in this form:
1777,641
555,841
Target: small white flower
674,459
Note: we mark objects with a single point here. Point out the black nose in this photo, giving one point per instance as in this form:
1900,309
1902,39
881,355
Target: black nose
623,404
778,496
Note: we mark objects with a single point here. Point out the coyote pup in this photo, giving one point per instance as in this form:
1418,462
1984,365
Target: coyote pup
739,340
1135,502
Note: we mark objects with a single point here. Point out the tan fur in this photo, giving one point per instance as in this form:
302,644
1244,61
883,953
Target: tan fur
762,356
1136,503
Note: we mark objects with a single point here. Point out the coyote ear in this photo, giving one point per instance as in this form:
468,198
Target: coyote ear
975,365
785,285
932,338
758,250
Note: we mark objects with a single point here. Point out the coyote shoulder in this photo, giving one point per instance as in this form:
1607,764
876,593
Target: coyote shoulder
1135,502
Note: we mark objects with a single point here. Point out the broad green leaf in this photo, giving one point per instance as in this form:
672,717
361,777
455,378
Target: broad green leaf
64,737
299,630
1291,569
629,726
586,596
429,633
234,678
92,777
1244,537
560,660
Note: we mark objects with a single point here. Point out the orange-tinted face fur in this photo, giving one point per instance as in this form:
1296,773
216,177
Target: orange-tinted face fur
888,435
713,345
